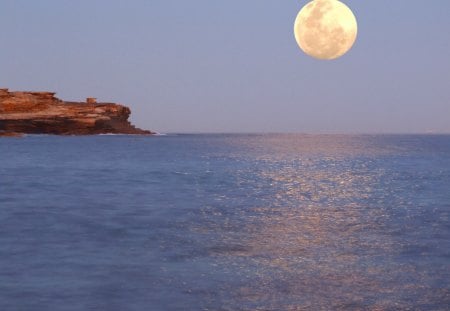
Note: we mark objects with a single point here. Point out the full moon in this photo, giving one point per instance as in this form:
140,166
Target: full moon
325,29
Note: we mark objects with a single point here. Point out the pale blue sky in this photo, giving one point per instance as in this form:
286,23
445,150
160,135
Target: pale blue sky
234,66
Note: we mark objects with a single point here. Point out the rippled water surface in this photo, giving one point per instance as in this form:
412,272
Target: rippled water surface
225,222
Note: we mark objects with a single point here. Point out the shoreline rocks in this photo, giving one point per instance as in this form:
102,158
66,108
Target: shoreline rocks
43,113
10,134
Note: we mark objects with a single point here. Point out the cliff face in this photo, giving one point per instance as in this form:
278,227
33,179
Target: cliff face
43,113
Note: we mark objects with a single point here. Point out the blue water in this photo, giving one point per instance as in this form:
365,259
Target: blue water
225,222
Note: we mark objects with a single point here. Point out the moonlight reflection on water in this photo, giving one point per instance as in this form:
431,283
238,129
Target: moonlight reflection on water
225,222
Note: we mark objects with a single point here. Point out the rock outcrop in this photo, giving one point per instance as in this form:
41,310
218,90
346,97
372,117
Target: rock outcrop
43,113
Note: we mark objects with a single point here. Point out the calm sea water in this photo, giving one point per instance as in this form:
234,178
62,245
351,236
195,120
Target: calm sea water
225,222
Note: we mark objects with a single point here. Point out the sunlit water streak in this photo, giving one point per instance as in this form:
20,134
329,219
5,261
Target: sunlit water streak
225,222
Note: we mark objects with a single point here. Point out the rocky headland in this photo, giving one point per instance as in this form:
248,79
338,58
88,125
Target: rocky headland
43,113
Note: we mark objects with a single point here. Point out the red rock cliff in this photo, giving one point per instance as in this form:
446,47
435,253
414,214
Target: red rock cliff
43,113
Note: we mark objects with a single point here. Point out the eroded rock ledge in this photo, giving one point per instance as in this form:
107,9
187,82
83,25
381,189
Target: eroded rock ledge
43,113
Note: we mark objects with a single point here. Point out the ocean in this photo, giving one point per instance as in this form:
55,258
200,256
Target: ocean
225,222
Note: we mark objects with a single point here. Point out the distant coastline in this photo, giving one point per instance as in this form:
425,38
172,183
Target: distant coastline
43,113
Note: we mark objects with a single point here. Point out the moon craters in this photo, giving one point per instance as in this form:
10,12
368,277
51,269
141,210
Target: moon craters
325,29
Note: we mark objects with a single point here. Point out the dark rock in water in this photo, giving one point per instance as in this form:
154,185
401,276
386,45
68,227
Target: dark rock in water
43,113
